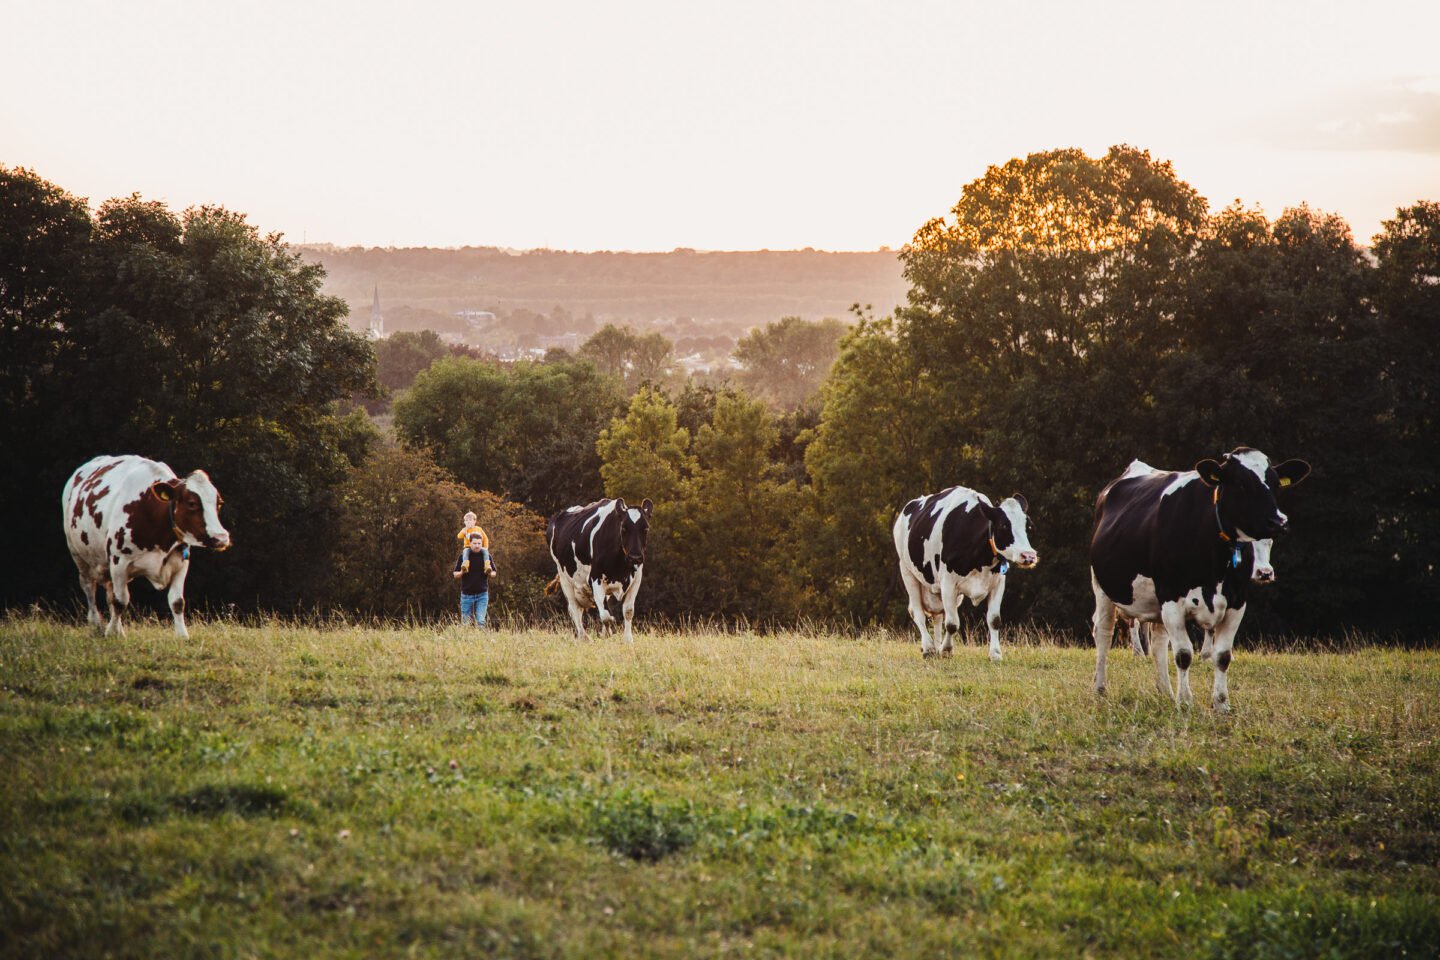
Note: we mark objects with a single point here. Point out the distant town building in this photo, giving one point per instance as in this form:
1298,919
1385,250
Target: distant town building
476,318
377,319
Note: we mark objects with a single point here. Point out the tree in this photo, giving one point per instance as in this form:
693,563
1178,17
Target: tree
197,341
875,447
739,518
1273,316
719,533
401,356
645,454
785,362
1035,311
396,548
1407,253
526,431
633,358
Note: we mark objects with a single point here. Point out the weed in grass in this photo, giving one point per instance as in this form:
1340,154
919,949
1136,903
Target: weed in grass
638,825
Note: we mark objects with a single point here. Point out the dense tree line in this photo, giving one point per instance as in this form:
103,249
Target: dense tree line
1068,315
191,338
1072,314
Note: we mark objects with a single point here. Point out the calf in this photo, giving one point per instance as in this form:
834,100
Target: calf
953,545
599,552
129,516
1170,547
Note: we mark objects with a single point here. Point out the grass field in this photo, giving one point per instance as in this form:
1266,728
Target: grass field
279,791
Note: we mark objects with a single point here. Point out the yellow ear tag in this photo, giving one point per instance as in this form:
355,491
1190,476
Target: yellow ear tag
1284,481
160,492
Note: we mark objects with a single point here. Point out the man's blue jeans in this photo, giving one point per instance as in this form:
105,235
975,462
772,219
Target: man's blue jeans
474,605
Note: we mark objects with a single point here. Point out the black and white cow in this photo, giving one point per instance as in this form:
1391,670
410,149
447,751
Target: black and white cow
127,517
955,545
1169,547
599,552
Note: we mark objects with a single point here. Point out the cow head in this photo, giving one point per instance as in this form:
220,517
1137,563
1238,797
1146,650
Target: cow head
634,529
1245,485
1261,570
195,510
1008,533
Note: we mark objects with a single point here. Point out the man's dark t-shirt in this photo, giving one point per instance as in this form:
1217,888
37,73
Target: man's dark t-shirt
475,580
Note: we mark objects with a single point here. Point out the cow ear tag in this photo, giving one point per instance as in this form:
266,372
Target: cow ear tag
1235,559
185,554
160,490
1004,567
1285,481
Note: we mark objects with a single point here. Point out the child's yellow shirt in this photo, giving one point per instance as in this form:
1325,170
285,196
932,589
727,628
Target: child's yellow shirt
464,536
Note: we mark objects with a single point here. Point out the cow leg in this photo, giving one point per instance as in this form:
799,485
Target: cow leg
577,613
1139,643
917,612
176,597
1173,614
628,607
992,618
950,603
937,629
606,621
1103,624
89,585
118,592
1207,649
1224,632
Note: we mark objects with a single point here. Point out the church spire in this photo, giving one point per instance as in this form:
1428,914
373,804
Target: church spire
377,320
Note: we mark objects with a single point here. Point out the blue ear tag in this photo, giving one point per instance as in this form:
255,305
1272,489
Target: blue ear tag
185,554
1235,559
1004,567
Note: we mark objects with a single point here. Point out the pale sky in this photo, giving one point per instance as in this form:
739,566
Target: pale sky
630,125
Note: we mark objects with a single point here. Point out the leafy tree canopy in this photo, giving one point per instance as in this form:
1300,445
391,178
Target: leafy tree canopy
188,338
786,361
526,431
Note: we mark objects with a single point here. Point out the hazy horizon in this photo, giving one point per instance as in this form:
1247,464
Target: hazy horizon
646,126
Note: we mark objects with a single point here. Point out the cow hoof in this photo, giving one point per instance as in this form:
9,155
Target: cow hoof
996,655
947,653
927,654
1222,706
1099,689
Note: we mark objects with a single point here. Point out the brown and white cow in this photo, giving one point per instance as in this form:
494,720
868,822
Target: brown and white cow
129,516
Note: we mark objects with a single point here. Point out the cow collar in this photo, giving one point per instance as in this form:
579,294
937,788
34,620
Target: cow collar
179,537
995,552
1218,522
1225,537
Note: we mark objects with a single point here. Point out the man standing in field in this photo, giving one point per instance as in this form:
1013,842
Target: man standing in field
473,569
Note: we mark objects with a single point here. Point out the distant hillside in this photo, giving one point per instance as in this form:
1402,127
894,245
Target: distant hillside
730,290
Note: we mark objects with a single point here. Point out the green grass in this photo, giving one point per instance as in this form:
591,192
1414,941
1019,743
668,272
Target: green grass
279,791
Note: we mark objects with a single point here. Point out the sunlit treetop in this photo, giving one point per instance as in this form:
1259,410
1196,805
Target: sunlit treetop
1063,200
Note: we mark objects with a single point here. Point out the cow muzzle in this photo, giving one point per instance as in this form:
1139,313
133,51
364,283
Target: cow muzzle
1263,575
221,543
1028,559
